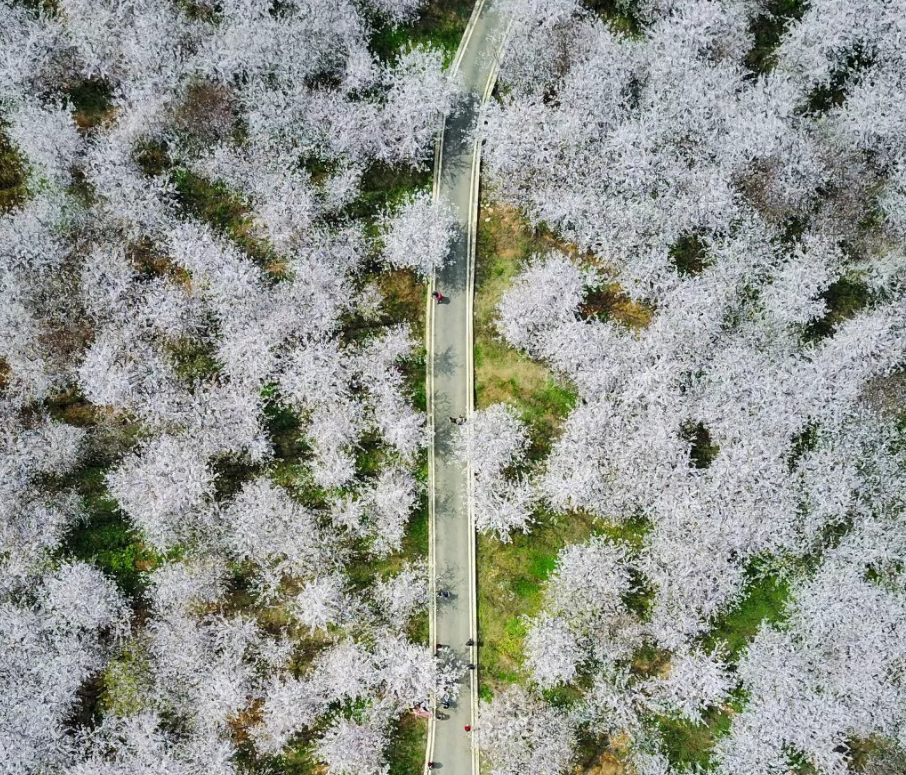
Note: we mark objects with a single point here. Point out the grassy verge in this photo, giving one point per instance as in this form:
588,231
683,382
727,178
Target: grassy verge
440,24
505,243
406,752
511,578
511,575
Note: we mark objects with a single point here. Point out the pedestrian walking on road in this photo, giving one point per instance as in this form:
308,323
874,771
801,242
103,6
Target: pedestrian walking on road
468,727
458,420
470,666
430,765
470,642
437,296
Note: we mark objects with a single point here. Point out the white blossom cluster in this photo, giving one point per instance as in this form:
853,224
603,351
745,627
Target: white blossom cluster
148,351
754,425
492,443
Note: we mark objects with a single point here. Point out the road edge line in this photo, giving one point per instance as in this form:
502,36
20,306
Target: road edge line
470,376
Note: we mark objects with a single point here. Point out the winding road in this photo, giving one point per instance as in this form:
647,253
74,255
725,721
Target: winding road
451,392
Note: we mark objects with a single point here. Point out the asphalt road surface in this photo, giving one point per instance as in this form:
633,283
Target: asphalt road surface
450,394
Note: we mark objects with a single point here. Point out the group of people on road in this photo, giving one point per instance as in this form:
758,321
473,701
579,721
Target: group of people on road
443,593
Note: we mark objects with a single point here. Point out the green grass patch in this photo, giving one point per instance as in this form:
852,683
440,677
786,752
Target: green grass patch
440,24
689,255
649,661
763,602
297,760
622,15
49,7
193,360
802,443
702,450
610,302
384,186
105,536
198,11
284,429
631,532
153,157
231,472
832,94
505,243
511,576
640,597
128,682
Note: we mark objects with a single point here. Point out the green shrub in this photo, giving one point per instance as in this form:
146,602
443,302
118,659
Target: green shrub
768,29
92,100
12,175
703,450
844,299
689,255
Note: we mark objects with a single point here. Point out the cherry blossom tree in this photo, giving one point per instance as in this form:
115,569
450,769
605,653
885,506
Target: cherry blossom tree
404,595
829,676
696,681
265,526
48,138
418,234
547,293
50,647
391,502
518,732
157,485
140,742
551,651
351,747
492,443
322,602
418,93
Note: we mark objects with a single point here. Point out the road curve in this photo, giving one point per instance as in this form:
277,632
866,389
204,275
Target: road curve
450,392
